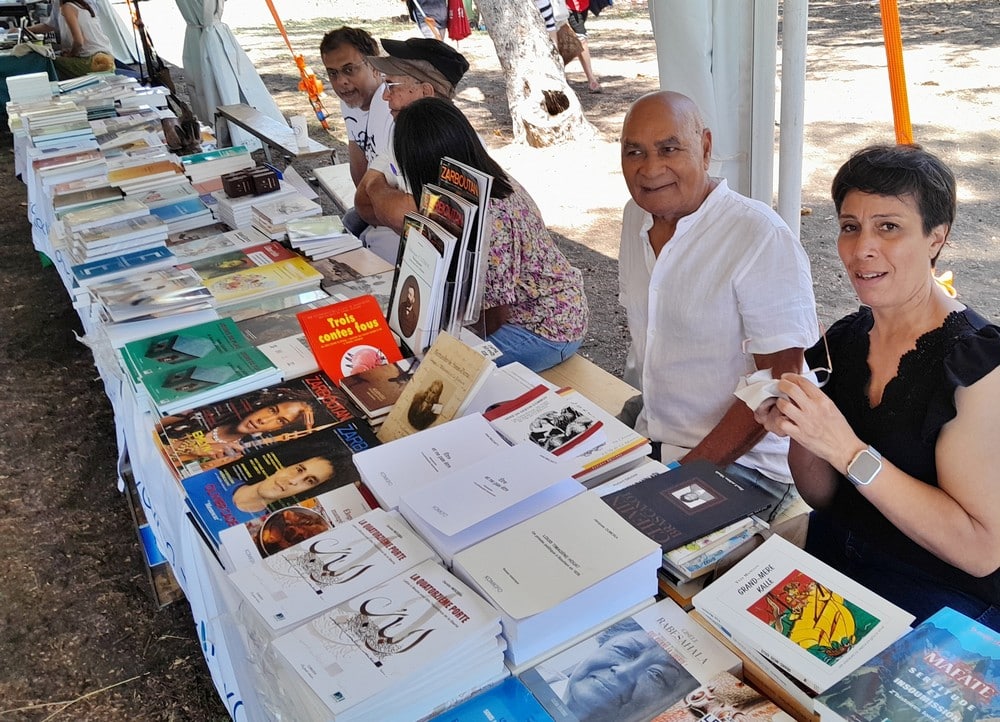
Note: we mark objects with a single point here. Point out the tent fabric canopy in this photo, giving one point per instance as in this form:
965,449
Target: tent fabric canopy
217,70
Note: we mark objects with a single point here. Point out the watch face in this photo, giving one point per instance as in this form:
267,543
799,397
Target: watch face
864,467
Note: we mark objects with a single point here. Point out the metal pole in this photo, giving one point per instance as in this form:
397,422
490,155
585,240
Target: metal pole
794,30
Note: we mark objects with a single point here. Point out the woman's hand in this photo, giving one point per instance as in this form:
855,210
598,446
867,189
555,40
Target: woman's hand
808,416
75,51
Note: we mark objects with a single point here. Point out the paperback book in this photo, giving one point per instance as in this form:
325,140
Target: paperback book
376,390
150,294
115,267
811,621
349,337
286,277
216,434
723,698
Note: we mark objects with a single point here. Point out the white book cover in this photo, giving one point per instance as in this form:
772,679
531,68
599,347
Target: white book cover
630,670
809,619
302,581
418,621
417,287
411,462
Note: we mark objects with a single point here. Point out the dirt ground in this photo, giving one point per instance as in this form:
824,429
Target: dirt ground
81,639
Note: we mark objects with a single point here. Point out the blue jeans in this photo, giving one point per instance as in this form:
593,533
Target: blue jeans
902,584
537,353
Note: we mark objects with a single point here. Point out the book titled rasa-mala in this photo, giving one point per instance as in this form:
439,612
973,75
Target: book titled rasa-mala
349,337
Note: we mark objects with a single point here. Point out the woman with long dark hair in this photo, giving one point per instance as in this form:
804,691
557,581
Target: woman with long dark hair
535,310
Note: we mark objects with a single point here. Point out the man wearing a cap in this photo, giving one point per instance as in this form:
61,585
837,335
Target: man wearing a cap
413,69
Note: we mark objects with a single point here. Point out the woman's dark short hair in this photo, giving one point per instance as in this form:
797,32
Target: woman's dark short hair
357,37
901,170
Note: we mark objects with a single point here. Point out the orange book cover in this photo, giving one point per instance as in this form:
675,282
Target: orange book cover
349,337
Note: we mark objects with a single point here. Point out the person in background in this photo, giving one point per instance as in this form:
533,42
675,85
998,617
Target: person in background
896,452
578,21
535,307
715,286
360,89
413,69
431,17
548,17
84,47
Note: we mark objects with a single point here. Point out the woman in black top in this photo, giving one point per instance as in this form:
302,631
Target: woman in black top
896,452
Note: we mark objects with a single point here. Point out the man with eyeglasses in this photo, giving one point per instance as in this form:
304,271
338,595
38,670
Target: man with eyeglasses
358,85
413,69
714,286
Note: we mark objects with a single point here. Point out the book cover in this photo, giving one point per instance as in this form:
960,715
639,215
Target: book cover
215,434
377,389
418,286
815,623
149,294
103,214
280,323
351,265
279,476
188,345
448,376
631,670
246,544
281,277
456,215
551,422
315,228
411,626
330,568
239,259
944,669
349,337
510,701
686,503
118,266
109,237
179,209
192,245
378,285
723,698
410,463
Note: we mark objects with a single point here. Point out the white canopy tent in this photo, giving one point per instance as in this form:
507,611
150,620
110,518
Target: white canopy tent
217,70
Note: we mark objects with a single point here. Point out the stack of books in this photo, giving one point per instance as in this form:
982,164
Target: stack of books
66,201
320,236
62,126
206,169
238,212
376,390
195,365
275,276
111,229
211,240
271,216
138,173
184,214
150,295
122,265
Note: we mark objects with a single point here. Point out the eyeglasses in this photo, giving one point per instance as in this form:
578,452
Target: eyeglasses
391,87
348,71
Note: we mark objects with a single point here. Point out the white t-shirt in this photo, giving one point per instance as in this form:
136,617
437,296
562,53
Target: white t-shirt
370,129
733,273
94,38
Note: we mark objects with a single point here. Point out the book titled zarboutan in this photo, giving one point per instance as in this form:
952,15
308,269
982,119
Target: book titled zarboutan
813,622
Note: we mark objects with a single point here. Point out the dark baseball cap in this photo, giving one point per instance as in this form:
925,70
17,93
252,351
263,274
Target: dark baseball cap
425,59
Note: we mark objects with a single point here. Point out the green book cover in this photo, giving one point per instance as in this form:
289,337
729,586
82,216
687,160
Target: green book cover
188,385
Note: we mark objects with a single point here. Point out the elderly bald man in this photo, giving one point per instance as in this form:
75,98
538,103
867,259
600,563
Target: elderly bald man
715,286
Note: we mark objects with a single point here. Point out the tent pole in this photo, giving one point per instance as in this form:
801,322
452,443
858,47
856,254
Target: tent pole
897,76
794,31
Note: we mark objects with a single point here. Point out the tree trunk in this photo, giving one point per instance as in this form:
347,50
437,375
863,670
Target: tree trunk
544,109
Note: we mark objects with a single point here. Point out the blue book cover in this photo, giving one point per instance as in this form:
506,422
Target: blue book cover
945,669
276,477
107,268
509,701
180,209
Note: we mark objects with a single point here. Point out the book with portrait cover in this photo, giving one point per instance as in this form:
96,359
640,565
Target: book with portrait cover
276,477
443,385
684,504
811,621
631,670
209,436
722,698
349,337
946,668
376,390
306,579
380,655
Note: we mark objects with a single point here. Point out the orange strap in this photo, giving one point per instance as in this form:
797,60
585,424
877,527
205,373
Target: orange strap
897,77
308,83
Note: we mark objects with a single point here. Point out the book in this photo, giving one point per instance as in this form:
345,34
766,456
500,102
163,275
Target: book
381,654
409,463
378,285
115,267
239,259
377,389
509,700
631,670
551,422
94,216
208,436
560,573
466,505
276,477
306,579
457,215
724,697
425,253
286,277
349,336
199,243
351,265
683,504
150,294
808,619
246,544
442,386
945,668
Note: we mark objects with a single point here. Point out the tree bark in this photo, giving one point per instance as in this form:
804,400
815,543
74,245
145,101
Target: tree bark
544,109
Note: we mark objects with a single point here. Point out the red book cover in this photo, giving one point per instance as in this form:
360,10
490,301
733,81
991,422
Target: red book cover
349,337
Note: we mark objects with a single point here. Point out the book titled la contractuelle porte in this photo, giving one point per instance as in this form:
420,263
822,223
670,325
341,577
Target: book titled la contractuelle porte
349,336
